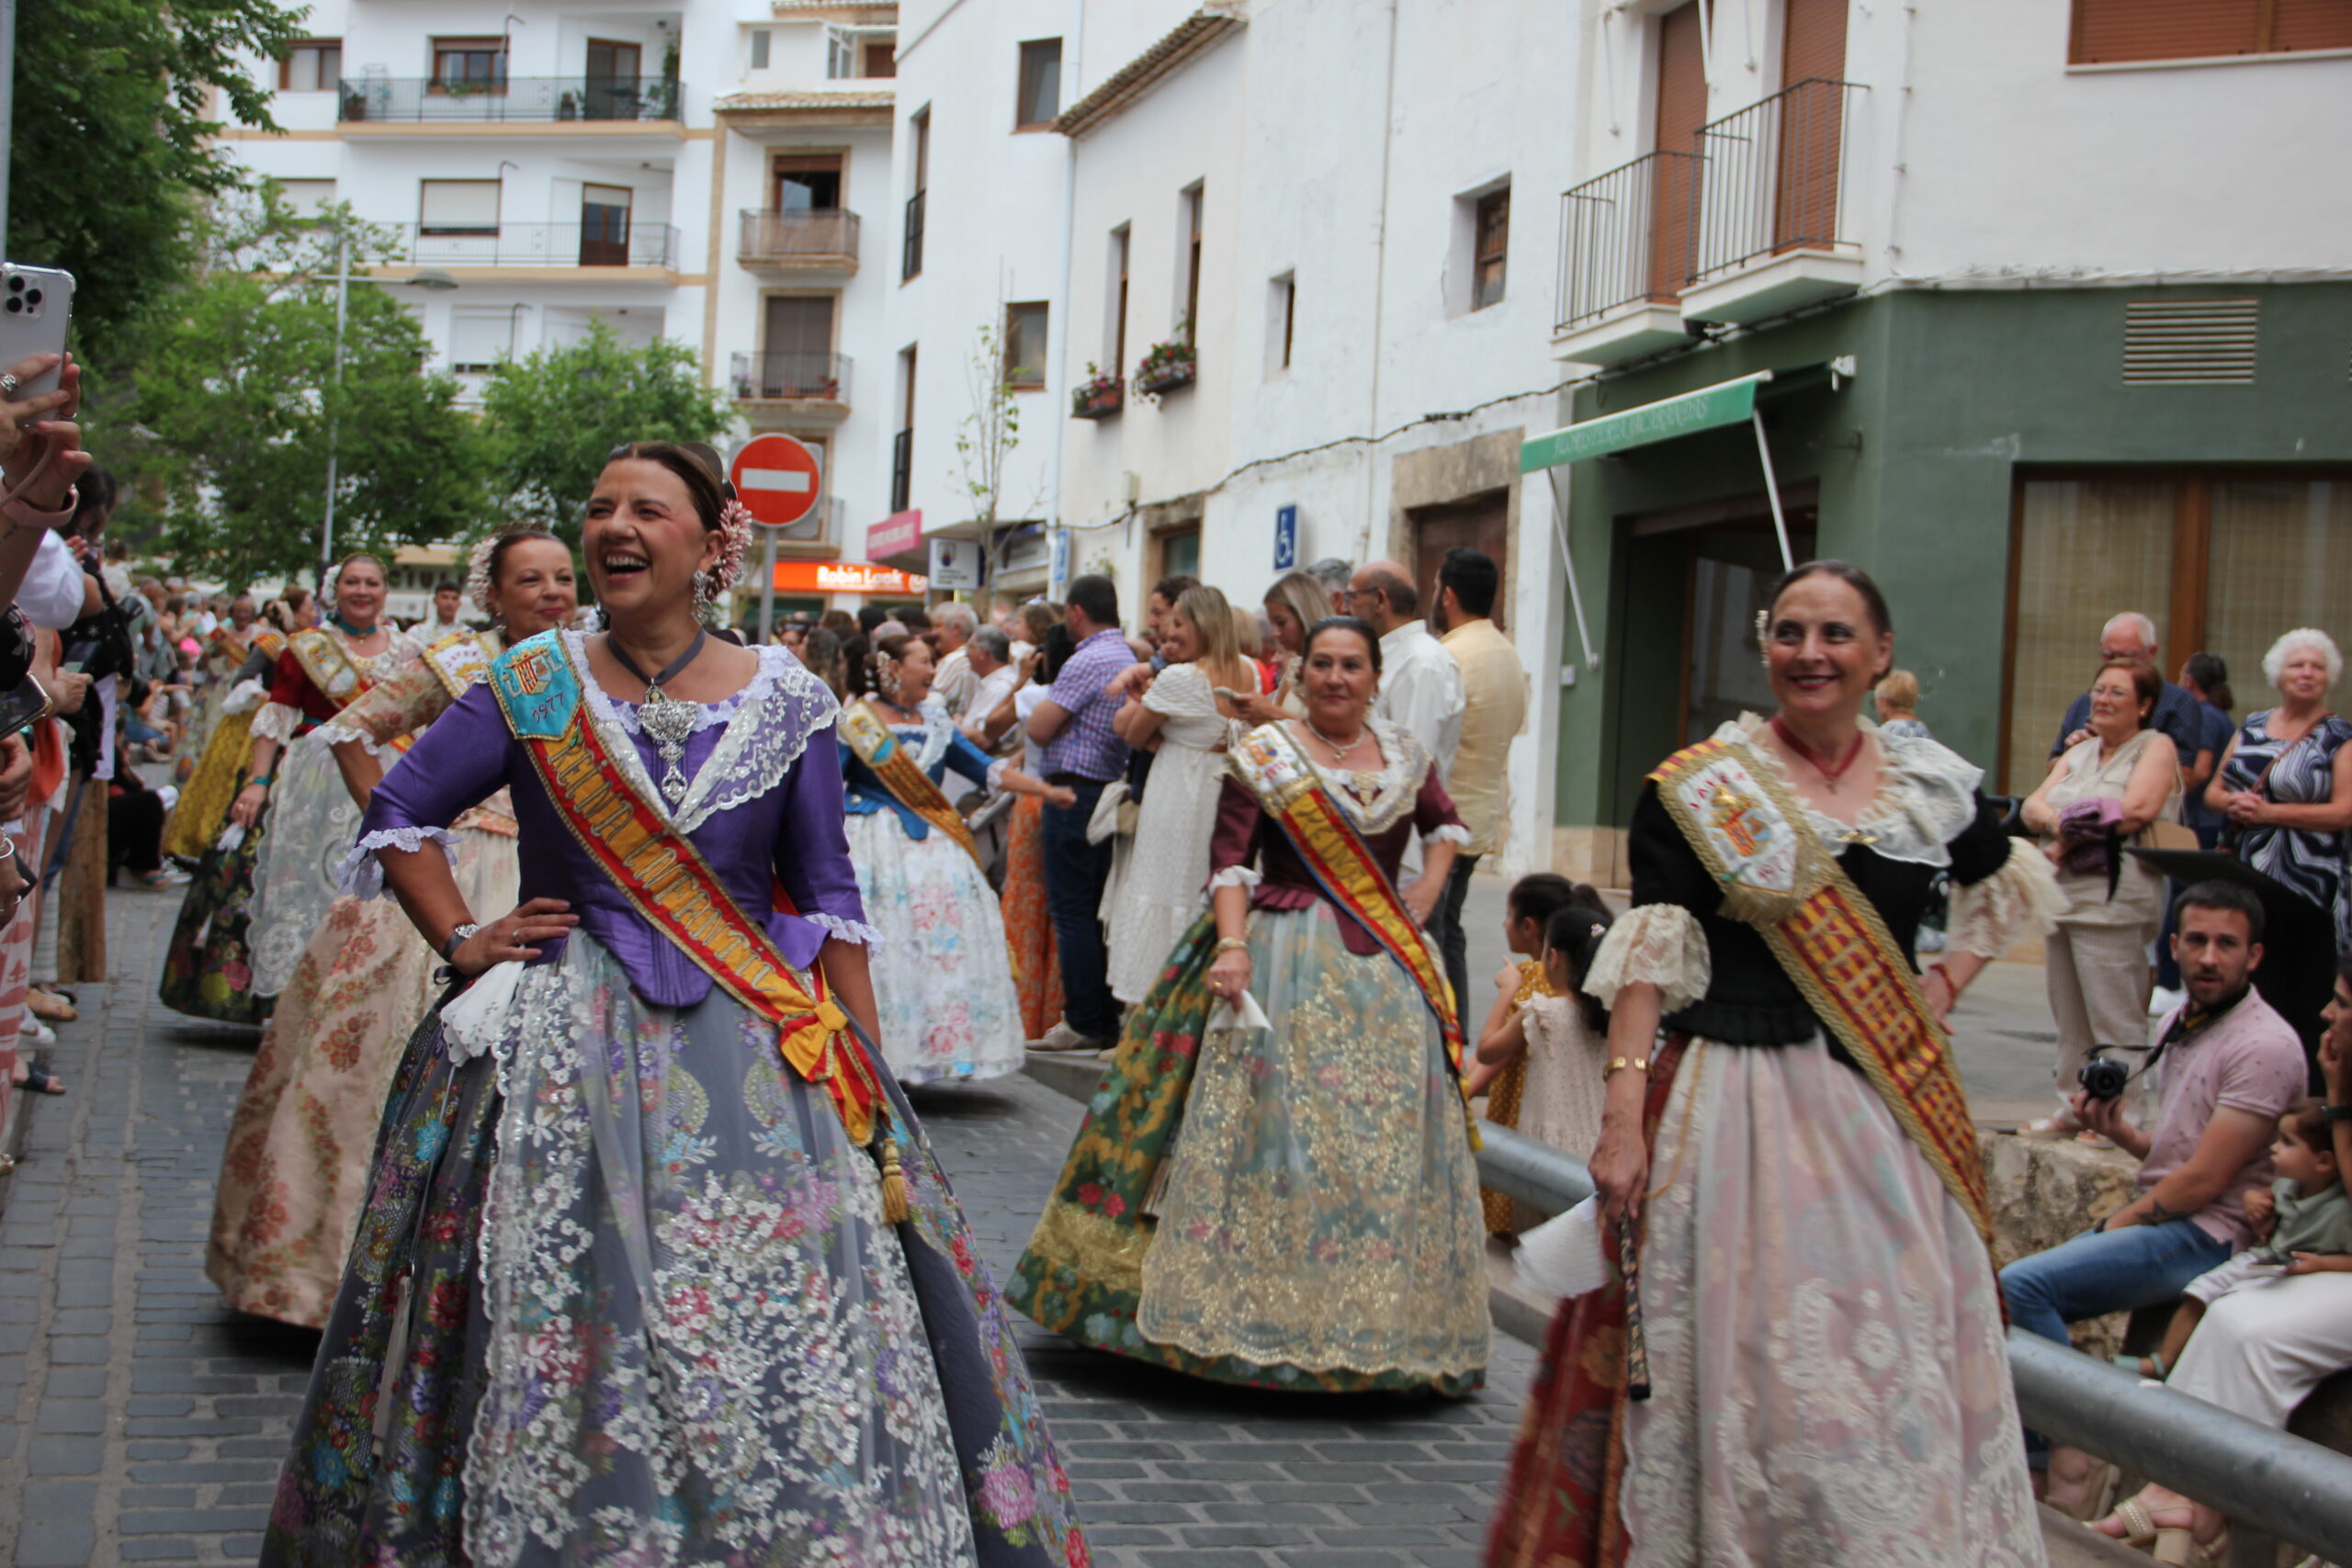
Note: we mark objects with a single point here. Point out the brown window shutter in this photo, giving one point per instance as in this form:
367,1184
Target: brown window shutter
2311,24
1813,49
2109,32
1813,42
1681,110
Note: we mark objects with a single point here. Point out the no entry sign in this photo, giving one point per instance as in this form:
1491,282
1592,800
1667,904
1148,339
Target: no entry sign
777,480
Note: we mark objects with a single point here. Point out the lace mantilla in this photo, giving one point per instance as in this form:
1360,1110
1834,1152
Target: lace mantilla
1374,801
2022,899
361,874
768,726
1658,944
1926,794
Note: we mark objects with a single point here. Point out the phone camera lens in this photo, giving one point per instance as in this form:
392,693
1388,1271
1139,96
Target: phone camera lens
14,305
16,285
32,296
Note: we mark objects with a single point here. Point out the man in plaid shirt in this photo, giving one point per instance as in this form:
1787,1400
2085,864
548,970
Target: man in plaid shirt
1073,725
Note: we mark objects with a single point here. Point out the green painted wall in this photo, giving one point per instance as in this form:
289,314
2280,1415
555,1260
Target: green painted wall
1954,392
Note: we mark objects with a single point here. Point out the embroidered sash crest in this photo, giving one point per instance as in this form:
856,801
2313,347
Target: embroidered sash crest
328,664
865,733
460,659
668,882
1778,877
1292,795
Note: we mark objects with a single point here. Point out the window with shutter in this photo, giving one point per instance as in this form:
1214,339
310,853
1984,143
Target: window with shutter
2115,32
1681,109
459,206
480,339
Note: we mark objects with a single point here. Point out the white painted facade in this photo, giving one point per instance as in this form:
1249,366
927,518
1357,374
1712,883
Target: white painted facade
686,264
1975,156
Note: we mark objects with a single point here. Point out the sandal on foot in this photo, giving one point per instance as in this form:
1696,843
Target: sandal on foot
2140,1365
40,1080
2179,1545
2133,1527
2087,1497
50,1005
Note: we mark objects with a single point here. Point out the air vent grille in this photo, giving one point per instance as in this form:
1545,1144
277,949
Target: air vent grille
2189,343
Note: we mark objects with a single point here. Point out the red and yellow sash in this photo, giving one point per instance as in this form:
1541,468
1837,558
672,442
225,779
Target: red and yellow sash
329,664
878,748
1291,792
271,642
668,882
1779,877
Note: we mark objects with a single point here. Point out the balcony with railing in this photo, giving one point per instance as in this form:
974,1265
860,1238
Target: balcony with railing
610,244
1775,214
791,378
1625,256
808,239
411,100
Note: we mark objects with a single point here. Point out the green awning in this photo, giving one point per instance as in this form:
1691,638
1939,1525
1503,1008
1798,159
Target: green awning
1728,403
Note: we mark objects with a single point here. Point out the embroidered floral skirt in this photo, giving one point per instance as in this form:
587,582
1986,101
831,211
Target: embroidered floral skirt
1828,1379
1294,1207
943,972
207,969
622,1295
296,1168
203,807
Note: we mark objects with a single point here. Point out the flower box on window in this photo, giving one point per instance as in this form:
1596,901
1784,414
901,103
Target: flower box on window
1168,366
1097,397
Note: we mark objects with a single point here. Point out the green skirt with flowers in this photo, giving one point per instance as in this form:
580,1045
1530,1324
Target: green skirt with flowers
208,973
1294,1207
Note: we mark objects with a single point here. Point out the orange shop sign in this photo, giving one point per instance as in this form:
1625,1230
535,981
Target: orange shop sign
844,577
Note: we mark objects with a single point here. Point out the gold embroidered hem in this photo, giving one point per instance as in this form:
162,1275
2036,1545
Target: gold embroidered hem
203,808
1321,1207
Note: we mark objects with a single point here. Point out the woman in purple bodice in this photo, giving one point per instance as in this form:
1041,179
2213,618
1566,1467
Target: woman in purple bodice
625,1290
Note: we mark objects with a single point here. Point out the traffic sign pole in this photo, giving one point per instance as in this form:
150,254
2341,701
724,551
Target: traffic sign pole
767,592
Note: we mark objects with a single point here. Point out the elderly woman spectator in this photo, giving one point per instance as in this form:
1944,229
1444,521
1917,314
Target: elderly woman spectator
2285,783
1897,696
2103,790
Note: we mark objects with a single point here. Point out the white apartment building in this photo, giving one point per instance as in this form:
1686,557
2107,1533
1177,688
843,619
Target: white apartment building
1315,200
694,172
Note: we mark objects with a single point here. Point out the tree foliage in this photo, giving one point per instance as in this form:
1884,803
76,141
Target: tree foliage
235,398
552,417
112,146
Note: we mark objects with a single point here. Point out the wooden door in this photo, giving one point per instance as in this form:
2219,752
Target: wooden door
604,225
1681,110
1482,523
1812,125
612,72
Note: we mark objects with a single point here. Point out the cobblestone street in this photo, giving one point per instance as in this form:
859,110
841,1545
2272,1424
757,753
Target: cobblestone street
142,1423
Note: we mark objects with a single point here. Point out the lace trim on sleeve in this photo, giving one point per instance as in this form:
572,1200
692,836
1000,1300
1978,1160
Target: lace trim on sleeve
1235,876
244,697
2023,898
857,932
276,722
333,732
362,875
1660,944
1448,833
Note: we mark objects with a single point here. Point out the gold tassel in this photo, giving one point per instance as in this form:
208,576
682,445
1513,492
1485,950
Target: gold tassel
894,1185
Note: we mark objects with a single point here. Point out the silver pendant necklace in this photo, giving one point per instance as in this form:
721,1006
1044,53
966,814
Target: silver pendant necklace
663,717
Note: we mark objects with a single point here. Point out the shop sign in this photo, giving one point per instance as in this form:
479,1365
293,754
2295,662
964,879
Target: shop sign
895,535
845,577
1730,403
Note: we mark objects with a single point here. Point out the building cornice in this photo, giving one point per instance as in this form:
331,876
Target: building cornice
1123,87
869,106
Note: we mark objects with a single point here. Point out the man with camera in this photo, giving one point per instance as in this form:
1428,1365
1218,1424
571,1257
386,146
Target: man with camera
2226,1068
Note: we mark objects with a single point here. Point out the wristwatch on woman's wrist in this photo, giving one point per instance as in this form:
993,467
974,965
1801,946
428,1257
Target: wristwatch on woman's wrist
457,940
2332,1114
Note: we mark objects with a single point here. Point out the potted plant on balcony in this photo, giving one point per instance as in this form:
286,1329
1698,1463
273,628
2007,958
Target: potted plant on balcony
1097,397
1167,367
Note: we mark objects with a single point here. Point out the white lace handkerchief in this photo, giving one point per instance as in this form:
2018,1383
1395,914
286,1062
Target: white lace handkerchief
473,1022
1561,1256
1244,1013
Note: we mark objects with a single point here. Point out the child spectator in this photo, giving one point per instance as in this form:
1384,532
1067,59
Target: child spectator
1533,901
2303,1221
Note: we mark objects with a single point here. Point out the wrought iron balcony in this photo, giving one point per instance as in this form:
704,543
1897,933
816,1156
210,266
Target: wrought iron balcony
411,99
1775,181
1626,237
621,244
791,378
808,238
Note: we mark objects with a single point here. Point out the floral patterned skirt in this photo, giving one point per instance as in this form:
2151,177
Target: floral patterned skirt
1289,1208
1028,923
1829,1383
943,973
623,1294
296,1168
207,969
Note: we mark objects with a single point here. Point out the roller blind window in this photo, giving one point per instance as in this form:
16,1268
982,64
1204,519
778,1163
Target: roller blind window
2114,33
459,206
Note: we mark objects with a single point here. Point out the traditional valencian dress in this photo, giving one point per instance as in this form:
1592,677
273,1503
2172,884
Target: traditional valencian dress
656,1267
297,1164
1823,1332
311,814
213,968
943,972
1288,1200
194,825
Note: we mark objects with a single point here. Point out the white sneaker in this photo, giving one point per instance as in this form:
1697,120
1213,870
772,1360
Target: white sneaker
1062,1037
37,1032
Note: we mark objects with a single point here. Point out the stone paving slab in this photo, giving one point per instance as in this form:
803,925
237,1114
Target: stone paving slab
140,1423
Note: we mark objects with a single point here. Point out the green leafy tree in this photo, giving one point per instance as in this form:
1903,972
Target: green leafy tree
552,417
987,435
113,142
235,400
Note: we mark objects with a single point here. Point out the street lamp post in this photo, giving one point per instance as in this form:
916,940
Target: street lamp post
429,277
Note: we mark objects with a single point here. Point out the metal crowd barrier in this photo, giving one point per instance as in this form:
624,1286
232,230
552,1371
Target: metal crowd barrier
2272,1486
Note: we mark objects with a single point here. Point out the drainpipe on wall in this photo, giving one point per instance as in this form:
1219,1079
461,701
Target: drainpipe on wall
1061,323
1379,293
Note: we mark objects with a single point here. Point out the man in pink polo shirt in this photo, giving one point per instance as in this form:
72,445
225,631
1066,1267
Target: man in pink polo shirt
2226,1068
